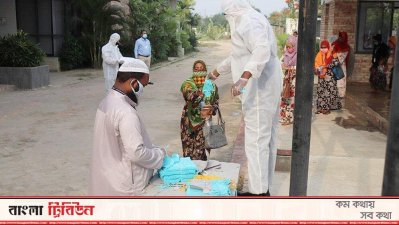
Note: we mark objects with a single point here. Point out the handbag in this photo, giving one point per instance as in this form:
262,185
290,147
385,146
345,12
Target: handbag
338,73
215,135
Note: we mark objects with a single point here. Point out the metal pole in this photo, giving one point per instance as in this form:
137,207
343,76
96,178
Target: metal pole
303,97
390,184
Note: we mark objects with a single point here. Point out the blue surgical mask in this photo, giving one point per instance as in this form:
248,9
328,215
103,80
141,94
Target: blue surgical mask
145,36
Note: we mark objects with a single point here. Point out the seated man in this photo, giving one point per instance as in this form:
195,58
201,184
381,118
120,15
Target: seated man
123,157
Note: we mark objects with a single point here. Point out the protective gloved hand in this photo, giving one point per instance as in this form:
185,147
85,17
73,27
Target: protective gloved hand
238,86
213,75
164,152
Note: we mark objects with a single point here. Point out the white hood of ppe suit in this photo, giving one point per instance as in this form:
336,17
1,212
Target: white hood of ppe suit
114,38
235,8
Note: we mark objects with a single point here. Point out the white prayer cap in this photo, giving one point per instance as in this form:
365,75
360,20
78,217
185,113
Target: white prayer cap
134,65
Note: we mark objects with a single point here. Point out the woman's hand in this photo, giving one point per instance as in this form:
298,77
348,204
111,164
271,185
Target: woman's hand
199,93
206,112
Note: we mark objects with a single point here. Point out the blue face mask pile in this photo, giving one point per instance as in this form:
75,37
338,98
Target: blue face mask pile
216,188
175,169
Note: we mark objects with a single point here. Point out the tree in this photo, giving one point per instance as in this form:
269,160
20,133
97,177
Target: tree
213,27
95,21
187,19
158,19
293,6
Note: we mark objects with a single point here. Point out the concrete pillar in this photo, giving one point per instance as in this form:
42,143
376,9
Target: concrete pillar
303,98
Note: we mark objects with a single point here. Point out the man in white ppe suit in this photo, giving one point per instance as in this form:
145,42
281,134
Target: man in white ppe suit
112,57
123,157
257,75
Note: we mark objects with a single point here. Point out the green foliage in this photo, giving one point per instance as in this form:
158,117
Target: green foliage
193,39
71,54
18,51
215,32
187,20
281,40
184,36
95,22
126,46
155,16
213,28
159,20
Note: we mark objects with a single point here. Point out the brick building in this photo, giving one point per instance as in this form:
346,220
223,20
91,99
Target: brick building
361,19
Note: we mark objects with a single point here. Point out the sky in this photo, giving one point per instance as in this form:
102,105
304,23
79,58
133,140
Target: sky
212,7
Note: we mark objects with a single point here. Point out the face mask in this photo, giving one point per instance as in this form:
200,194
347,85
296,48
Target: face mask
145,36
199,77
139,92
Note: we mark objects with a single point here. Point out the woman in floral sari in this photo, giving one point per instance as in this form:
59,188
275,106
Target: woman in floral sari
327,90
287,103
193,115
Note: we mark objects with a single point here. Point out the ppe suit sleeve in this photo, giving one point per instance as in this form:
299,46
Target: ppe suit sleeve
132,140
256,38
225,66
120,55
107,57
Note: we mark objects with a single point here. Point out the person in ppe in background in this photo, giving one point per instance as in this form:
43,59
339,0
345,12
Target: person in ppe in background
123,157
257,77
112,57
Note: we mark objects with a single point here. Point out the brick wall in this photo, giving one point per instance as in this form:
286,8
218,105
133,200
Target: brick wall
361,70
341,15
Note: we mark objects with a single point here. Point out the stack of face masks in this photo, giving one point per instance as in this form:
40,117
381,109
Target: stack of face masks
209,188
175,169
207,89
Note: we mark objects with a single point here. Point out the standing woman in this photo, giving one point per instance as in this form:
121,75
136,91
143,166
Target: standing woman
327,91
288,96
193,117
379,67
341,49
